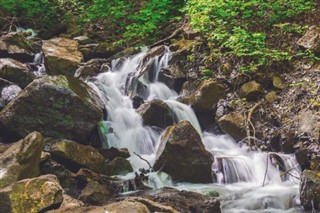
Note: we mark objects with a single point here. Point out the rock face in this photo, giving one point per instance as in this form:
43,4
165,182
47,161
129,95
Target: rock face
21,160
182,155
233,124
206,95
16,45
31,195
61,56
15,72
56,106
310,189
185,201
74,156
311,40
250,90
156,113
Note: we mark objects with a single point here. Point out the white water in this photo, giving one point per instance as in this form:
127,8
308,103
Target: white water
247,181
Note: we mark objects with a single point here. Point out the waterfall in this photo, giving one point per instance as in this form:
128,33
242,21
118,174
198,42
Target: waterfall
249,181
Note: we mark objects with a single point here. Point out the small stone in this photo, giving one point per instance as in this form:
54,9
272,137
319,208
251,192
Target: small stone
250,90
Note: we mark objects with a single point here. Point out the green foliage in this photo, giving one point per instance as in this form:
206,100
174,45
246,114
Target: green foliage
47,10
237,27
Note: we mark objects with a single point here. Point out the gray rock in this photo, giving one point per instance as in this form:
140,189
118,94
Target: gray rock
56,106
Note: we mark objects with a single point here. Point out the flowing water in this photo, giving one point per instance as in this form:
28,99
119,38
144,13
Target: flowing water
247,181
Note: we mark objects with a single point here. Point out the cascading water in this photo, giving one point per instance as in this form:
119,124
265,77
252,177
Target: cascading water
248,181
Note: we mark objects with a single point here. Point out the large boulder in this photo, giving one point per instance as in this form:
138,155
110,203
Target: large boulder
16,45
56,106
74,156
206,95
21,160
61,56
8,91
15,72
156,113
101,50
311,39
182,155
251,90
32,195
234,125
310,189
185,201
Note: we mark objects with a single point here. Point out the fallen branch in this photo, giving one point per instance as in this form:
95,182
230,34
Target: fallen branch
150,167
249,122
173,35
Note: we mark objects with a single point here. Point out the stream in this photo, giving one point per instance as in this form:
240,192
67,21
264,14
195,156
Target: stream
247,181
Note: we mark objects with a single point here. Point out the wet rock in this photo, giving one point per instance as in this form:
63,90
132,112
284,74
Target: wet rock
118,166
310,190
15,72
156,113
302,157
182,155
15,45
101,50
137,101
311,39
113,152
185,201
206,95
56,106
61,56
250,90
21,160
91,68
233,124
173,77
32,195
95,194
74,156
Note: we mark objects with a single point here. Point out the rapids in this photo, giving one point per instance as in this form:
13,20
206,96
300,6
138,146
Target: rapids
247,181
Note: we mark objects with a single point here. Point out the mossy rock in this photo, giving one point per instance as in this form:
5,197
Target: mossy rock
32,195
310,190
95,193
251,90
21,160
119,166
233,124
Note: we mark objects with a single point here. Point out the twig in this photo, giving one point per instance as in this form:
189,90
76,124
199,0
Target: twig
150,167
265,174
248,121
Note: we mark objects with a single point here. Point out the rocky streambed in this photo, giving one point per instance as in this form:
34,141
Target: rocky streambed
70,135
